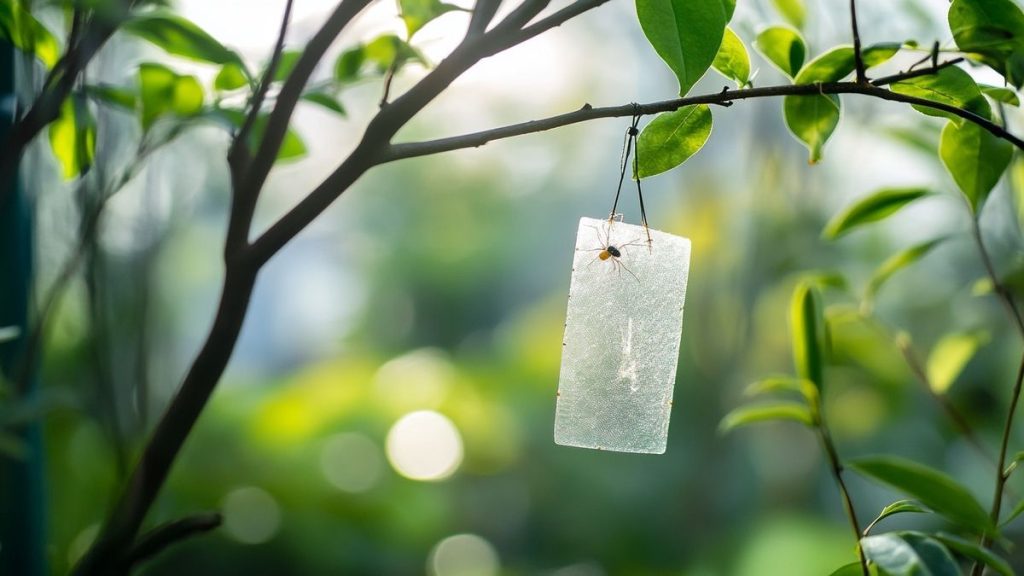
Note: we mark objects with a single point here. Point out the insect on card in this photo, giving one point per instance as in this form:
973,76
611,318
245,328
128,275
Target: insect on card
622,333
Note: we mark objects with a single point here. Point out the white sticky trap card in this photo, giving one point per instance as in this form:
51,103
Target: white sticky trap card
622,333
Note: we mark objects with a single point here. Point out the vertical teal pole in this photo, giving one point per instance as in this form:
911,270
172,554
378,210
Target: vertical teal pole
22,488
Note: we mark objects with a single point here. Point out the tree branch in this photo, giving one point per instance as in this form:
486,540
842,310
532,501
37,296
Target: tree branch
160,538
858,58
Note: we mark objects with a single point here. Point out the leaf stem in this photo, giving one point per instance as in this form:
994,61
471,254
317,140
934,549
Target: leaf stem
836,467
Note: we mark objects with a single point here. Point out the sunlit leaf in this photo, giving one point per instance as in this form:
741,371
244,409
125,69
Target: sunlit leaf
163,92
898,507
671,138
685,33
766,412
932,488
732,60
27,34
417,13
349,64
897,262
807,326
232,76
387,51
950,356
783,47
794,11
951,86
909,554
325,100
873,208
975,158
73,138
974,552
178,36
1000,94
880,53
813,119
990,31
805,388
292,147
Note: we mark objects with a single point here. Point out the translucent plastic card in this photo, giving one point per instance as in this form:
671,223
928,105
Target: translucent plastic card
622,332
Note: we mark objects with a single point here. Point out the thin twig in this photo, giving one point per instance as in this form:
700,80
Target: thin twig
858,58
836,468
161,537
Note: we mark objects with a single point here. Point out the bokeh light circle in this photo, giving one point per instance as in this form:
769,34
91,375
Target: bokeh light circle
251,515
424,445
463,555
351,462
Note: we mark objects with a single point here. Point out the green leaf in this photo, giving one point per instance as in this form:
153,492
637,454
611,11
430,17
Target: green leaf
286,64
897,262
875,207
880,53
164,92
349,64
292,147
27,34
975,158
932,488
179,36
951,86
114,95
387,50
909,554
990,31
783,47
950,356
1000,94
805,388
417,13
898,507
766,412
1017,511
325,100
813,119
793,11
73,138
685,33
732,60
807,326
671,138
232,76
974,552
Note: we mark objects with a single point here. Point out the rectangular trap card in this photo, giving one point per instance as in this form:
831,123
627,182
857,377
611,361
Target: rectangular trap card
622,331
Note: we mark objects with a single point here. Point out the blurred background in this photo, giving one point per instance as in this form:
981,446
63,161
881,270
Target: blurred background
389,408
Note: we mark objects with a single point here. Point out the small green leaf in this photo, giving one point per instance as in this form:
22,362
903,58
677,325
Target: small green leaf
179,36
732,60
766,412
793,11
813,119
975,158
292,147
990,31
880,53
27,34
897,262
232,76
1000,94
387,51
417,13
932,488
73,138
325,100
807,326
115,95
898,507
909,554
289,58
349,64
783,47
974,552
164,92
875,207
685,33
951,86
950,356
671,138
800,386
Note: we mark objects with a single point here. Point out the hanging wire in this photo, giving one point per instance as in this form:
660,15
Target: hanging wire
628,145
